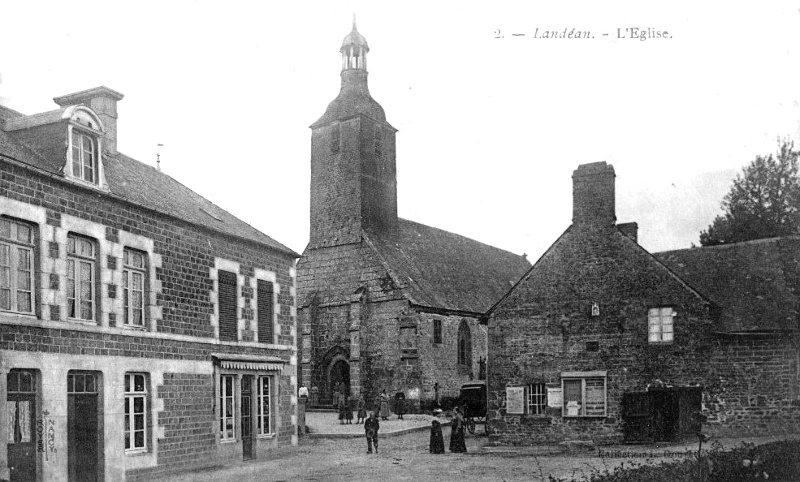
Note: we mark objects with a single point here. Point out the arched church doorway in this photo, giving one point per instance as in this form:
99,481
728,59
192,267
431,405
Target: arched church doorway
339,376
335,368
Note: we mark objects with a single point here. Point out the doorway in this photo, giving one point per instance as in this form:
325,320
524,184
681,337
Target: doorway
661,414
247,417
21,408
338,377
82,426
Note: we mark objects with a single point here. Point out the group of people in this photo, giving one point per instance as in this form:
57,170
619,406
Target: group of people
346,405
457,442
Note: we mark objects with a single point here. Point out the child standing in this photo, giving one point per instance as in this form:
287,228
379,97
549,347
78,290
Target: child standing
371,427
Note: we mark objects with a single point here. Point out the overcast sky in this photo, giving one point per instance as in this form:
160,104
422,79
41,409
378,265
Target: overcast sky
490,129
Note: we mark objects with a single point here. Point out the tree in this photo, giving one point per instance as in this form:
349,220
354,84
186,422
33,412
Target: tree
764,201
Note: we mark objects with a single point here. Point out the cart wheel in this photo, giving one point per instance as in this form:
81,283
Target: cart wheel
471,425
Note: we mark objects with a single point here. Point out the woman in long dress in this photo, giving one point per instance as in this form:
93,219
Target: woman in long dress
342,406
361,406
457,443
384,406
437,440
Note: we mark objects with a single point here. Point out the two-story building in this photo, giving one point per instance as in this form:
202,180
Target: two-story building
602,340
142,328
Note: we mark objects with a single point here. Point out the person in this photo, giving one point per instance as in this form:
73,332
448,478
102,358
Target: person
361,406
342,404
400,404
336,397
384,404
437,440
457,443
371,427
348,410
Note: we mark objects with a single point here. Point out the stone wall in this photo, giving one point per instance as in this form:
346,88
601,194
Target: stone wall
546,327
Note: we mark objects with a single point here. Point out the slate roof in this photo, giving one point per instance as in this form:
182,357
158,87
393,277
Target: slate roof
139,184
755,283
444,270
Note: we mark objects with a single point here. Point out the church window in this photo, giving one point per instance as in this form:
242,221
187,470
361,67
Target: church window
464,345
335,138
378,141
437,331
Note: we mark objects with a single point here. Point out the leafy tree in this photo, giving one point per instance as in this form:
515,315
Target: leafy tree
764,201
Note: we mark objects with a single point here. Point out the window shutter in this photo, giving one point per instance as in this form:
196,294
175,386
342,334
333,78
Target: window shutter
227,306
265,332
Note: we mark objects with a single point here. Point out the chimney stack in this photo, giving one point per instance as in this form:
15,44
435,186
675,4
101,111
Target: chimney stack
630,230
103,101
593,195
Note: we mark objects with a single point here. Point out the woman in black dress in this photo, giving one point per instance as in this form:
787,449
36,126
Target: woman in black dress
457,443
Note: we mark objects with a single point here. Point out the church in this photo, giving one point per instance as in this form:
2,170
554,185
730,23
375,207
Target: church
384,303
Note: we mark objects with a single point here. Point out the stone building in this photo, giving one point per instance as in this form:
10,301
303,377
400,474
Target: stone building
604,341
385,303
142,328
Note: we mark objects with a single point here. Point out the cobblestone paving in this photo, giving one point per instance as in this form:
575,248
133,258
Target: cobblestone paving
403,458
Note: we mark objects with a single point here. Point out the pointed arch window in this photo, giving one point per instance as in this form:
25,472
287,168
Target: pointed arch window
464,344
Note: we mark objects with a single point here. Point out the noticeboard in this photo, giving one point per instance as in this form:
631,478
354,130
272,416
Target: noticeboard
515,400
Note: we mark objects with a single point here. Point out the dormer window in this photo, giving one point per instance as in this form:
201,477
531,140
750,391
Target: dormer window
84,156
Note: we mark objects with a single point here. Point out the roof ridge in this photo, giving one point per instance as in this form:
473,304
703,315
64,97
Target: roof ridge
460,236
749,242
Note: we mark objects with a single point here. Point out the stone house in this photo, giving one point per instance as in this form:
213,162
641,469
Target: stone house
604,341
385,303
142,328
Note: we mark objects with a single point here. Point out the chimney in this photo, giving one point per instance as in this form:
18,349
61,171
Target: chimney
630,230
593,195
103,101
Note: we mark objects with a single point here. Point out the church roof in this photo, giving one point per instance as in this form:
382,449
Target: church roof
131,181
440,269
755,283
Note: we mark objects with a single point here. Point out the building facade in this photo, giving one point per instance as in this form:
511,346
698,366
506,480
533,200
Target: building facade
604,341
385,304
142,328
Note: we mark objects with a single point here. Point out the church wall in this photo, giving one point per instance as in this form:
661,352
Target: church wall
440,360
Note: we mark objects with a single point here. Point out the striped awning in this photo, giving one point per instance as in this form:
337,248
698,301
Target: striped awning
248,362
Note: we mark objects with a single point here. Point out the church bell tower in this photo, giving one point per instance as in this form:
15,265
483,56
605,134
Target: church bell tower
353,169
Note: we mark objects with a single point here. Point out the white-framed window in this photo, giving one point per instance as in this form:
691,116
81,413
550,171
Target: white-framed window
16,266
134,274
583,396
227,407
660,325
537,399
135,412
80,278
264,400
84,156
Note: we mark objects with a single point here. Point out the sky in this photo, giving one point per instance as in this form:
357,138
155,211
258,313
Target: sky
491,124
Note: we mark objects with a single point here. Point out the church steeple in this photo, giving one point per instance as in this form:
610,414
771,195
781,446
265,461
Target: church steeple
353,170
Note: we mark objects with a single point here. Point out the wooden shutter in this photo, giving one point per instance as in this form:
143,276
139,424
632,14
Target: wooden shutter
227,306
265,333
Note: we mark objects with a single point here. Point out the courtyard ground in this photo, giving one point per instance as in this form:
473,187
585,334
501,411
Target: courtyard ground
406,457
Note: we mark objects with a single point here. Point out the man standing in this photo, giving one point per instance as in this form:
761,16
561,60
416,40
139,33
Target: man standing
371,427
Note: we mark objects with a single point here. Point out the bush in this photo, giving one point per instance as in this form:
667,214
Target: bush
776,461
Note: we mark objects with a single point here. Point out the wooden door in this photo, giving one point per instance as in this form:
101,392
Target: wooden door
636,417
21,408
82,427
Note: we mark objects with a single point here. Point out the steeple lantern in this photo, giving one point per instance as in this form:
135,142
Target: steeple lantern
354,50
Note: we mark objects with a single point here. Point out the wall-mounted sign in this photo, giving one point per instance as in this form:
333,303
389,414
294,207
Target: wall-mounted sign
554,398
515,400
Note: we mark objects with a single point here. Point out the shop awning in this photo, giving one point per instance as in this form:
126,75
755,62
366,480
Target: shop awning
248,362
